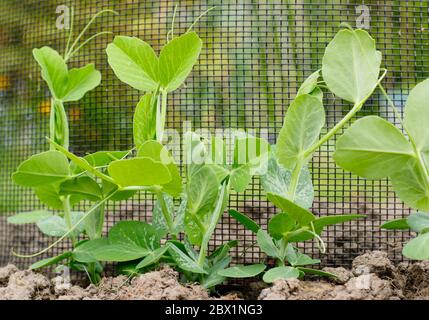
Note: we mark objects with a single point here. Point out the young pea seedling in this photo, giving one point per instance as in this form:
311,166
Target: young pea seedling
57,183
374,148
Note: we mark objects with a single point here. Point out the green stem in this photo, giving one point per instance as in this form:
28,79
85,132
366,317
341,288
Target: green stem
217,214
95,207
295,179
58,124
341,124
165,213
161,116
67,217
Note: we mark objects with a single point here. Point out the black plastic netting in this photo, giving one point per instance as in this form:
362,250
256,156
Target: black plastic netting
255,55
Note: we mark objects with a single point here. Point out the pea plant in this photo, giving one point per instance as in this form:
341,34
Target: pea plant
57,183
374,148
351,71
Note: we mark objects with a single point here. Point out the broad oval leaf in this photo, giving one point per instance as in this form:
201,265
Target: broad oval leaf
304,119
79,82
56,226
411,186
278,273
29,217
281,224
302,216
49,195
54,70
242,271
277,180
134,63
417,248
154,150
103,250
419,221
177,59
135,233
373,148
240,178
416,117
202,191
351,65
84,186
41,169
139,172
310,84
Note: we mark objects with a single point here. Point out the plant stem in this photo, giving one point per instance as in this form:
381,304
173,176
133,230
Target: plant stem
161,116
343,121
67,217
166,214
217,214
296,173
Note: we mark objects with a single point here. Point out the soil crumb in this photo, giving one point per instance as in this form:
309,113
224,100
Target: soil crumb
373,277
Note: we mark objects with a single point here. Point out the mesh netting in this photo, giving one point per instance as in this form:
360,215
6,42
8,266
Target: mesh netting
255,55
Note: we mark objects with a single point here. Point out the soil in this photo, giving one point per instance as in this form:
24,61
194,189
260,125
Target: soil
372,277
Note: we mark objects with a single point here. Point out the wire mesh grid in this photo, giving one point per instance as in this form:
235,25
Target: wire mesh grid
255,55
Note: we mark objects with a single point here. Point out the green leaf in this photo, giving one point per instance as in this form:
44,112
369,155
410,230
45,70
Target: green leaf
139,172
303,122
410,185
50,196
418,222
373,148
280,273
416,117
222,251
94,223
299,214
99,159
83,186
134,63
242,271
202,191
177,59
266,243
29,217
250,152
56,226
240,178
399,224
109,187
245,221
153,257
157,152
417,248
80,81
277,180
144,124
184,261
280,225
158,220
41,169
54,69
50,261
301,235
310,84
296,258
322,222
103,250
317,272
351,65
135,233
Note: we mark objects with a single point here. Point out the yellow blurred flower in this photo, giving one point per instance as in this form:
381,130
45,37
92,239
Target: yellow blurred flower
45,107
4,82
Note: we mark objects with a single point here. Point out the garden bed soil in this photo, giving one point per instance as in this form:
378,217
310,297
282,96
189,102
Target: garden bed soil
372,277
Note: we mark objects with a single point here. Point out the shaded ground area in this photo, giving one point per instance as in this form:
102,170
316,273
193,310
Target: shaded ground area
373,276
